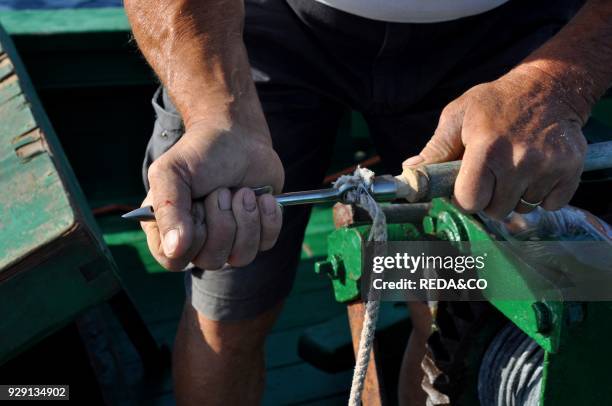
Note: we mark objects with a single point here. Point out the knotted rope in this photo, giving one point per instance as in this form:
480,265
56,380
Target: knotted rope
362,179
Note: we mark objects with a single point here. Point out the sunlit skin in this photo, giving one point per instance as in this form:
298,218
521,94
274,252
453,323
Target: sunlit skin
519,136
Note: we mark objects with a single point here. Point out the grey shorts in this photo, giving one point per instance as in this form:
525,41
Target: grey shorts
311,64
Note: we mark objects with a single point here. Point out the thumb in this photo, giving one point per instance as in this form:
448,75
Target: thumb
171,199
445,145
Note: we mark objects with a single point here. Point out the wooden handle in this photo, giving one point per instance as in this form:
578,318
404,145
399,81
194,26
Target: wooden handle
421,184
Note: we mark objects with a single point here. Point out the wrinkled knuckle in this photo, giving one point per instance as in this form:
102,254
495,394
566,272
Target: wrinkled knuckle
576,140
156,170
436,147
534,160
220,255
222,225
248,246
270,225
449,111
467,205
248,219
500,167
534,155
489,150
570,148
575,159
226,230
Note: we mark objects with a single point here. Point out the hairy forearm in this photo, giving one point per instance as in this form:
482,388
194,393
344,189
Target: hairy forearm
196,49
579,57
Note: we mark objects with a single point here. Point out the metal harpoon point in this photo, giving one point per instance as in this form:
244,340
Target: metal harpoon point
144,213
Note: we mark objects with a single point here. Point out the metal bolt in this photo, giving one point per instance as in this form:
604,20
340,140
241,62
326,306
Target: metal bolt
329,267
324,268
544,323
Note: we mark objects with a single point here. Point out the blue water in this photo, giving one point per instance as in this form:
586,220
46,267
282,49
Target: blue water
55,4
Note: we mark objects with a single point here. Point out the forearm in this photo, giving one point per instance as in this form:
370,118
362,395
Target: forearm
579,57
196,49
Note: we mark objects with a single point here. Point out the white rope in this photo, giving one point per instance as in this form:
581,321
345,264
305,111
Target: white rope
362,178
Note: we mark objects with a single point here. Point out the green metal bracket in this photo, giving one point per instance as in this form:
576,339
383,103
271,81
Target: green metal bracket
575,336
344,260
446,222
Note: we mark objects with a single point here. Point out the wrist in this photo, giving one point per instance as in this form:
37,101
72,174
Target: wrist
215,89
578,58
243,132
569,86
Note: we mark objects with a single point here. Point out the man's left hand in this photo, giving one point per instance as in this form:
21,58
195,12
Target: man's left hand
519,137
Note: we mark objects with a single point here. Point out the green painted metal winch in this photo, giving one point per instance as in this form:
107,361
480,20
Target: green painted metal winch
571,338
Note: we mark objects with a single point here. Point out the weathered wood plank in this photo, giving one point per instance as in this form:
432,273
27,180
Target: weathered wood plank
53,263
6,67
36,209
18,118
9,88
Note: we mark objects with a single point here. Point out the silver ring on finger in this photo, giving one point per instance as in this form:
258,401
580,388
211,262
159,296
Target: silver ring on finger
530,204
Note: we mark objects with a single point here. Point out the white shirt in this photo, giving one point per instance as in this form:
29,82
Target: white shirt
413,11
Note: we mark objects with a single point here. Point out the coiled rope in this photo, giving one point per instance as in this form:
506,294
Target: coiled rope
362,179
511,370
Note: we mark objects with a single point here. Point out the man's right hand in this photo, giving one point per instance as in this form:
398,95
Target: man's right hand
197,51
198,218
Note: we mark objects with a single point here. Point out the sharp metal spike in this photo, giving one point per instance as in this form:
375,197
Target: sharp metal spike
384,188
140,214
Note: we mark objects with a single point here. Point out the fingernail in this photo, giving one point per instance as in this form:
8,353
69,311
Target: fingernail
268,205
170,242
225,199
415,160
248,200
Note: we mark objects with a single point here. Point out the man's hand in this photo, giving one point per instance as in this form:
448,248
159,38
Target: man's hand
224,226
520,138
196,49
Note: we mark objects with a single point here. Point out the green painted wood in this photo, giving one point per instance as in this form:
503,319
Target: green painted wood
53,262
47,22
10,88
303,383
329,345
77,47
6,68
25,216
